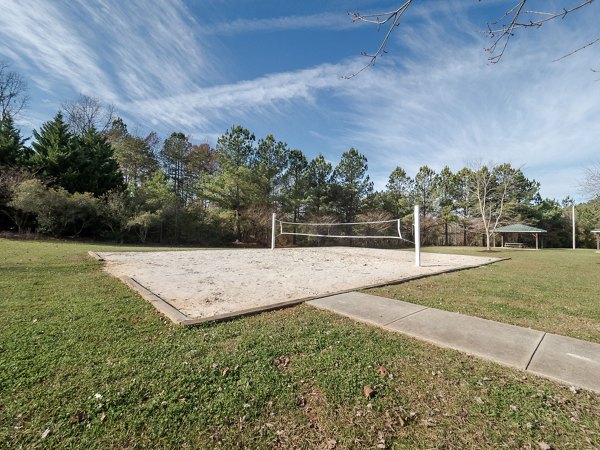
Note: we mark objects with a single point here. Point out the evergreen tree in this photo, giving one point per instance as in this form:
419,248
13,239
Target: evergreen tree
465,202
352,184
295,184
198,165
97,168
12,147
56,158
77,164
446,192
271,159
320,176
398,193
174,154
424,189
233,185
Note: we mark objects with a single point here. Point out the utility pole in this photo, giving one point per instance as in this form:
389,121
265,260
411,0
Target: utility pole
573,218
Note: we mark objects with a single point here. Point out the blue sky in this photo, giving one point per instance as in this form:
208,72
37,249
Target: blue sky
201,66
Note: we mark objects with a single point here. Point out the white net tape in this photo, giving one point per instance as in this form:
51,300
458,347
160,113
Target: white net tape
387,229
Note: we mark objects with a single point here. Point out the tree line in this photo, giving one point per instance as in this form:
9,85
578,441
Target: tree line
85,174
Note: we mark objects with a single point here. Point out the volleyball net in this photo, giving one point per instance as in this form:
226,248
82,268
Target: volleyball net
380,230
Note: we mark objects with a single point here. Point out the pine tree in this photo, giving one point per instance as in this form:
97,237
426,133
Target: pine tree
352,184
13,152
55,155
233,186
320,174
295,184
78,164
97,168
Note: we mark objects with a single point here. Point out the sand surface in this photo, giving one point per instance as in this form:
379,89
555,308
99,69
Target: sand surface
205,283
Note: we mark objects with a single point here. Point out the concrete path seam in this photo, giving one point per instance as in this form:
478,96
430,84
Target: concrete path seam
404,317
535,350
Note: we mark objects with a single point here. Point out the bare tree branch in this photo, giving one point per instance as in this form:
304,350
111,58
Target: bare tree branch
501,36
379,19
87,112
13,92
590,185
518,18
595,41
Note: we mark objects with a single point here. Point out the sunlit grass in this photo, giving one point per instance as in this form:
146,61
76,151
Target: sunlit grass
85,363
553,290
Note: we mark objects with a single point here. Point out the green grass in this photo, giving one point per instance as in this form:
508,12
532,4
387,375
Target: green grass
553,290
287,379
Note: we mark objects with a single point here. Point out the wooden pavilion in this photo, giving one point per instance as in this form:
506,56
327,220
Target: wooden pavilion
597,233
516,230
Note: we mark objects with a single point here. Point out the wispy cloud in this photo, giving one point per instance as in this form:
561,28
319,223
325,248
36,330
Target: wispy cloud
433,99
444,105
111,49
449,107
328,20
205,108
45,41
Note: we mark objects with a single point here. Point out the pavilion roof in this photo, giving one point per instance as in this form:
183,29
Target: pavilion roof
518,228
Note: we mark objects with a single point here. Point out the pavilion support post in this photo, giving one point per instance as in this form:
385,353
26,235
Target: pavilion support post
536,242
598,241
502,240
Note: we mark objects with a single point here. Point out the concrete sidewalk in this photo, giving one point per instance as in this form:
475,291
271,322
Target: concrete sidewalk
560,358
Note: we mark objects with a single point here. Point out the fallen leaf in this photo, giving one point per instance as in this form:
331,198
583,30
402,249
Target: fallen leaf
77,418
225,371
544,446
102,417
382,370
574,389
98,396
369,393
331,444
402,422
282,362
46,433
428,423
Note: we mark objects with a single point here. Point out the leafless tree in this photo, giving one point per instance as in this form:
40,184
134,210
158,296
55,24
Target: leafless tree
87,112
491,186
590,186
499,31
13,92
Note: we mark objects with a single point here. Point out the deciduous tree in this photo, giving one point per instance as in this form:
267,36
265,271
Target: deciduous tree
13,92
88,112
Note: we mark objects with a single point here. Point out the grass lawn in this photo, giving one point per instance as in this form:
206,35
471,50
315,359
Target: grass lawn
85,363
553,290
